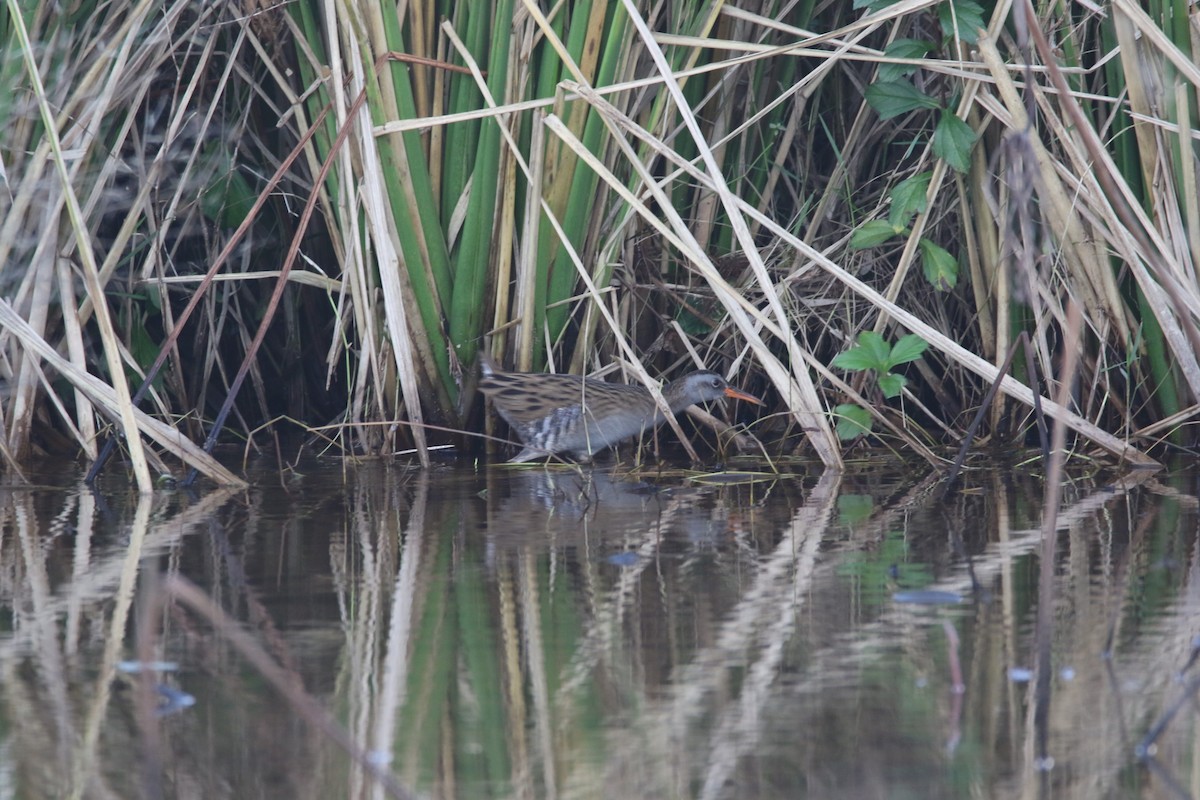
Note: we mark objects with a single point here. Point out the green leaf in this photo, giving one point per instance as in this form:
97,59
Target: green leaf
909,348
875,344
854,359
891,384
908,198
871,352
144,350
692,324
893,98
229,197
903,48
969,18
940,267
154,298
872,233
853,421
873,5
953,140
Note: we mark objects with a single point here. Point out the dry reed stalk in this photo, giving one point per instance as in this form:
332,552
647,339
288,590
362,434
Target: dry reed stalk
938,340
125,408
622,125
1096,286
383,234
1145,248
98,118
564,242
104,396
525,290
796,387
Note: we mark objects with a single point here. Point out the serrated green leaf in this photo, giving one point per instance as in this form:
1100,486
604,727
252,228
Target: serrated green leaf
853,421
953,140
892,384
873,232
854,359
908,348
871,352
939,266
908,198
875,344
969,18
911,192
893,98
903,48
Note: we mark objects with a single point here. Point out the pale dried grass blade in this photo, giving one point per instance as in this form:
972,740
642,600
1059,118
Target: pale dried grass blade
1132,234
125,409
85,423
948,346
105,397
794,385
383,234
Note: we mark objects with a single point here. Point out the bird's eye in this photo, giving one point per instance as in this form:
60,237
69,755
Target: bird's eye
716,383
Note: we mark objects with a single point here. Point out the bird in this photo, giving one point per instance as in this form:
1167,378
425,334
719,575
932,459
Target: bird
555,414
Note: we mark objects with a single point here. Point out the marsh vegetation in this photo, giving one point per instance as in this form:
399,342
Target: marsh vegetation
306,215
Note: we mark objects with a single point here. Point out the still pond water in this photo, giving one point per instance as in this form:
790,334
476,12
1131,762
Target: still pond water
491,632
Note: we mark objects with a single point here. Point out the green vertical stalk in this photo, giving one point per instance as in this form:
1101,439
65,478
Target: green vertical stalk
318,101
463,138
473,261
422,241
418,173
579,211
1165,389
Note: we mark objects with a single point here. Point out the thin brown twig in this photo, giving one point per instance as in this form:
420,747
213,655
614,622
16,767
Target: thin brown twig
392,55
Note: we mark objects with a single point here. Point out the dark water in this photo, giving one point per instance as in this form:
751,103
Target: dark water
524,633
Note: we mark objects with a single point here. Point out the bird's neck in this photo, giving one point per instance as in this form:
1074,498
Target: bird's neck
675,398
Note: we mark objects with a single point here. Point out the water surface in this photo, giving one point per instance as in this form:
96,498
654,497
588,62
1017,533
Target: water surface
479,632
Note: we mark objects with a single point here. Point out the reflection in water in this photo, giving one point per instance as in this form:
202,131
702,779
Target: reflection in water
541,633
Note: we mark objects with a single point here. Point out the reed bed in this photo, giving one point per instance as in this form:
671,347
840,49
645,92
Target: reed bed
341,206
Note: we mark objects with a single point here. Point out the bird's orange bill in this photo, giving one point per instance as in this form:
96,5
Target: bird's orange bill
736,395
